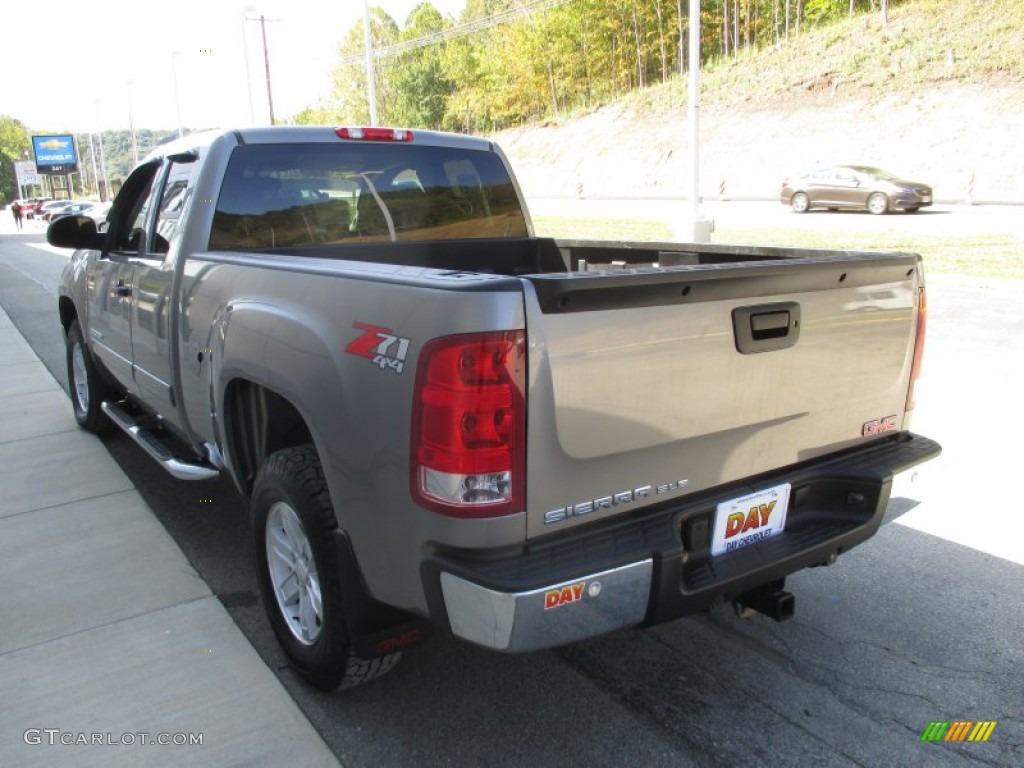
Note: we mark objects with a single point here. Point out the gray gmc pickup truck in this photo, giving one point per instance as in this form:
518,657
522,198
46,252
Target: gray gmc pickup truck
441,420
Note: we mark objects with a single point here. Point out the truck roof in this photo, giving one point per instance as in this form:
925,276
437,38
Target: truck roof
312,134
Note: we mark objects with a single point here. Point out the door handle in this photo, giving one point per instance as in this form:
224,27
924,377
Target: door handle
122,290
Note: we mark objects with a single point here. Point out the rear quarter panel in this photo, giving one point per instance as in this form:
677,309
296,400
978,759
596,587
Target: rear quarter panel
285,323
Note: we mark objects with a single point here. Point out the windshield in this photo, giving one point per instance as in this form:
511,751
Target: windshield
280,195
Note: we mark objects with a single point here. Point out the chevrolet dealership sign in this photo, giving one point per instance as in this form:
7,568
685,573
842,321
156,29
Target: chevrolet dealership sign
55,155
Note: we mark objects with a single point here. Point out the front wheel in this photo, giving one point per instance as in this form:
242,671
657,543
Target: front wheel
800,203
86,384
878,204
298,571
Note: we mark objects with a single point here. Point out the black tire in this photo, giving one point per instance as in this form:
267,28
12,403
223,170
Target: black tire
290,488
86,385
800,202
878,204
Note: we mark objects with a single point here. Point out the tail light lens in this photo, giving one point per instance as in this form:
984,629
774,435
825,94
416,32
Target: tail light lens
468,453
922,323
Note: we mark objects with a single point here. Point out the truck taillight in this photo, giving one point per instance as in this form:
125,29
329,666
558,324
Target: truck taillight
922,323
468,455
374,134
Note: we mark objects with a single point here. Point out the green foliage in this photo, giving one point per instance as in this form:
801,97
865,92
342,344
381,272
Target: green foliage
349,79
14,142
421,83
547,58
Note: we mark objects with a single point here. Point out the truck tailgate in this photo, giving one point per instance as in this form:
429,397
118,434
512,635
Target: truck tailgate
647,385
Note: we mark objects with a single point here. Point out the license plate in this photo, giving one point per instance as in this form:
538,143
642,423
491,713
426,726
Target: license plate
750,519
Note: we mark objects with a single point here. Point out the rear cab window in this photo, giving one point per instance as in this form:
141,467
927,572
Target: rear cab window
282,195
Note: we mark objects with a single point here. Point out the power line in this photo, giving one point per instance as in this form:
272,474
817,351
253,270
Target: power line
460,30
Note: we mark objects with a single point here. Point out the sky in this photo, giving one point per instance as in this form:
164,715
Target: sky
103,65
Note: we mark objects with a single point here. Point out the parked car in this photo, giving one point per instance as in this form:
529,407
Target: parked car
45,210
31,205
72,208
98,213
859,187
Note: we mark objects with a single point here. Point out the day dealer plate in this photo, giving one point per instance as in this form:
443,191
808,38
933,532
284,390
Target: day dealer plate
750,519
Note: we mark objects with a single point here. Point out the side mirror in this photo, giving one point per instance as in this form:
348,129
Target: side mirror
75,232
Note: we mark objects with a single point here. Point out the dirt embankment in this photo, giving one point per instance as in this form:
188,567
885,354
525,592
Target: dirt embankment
965,140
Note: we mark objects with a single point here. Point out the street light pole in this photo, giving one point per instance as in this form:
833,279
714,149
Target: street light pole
245,50
177,98
694,109
105,190
371,84
700,228
92,158
131,125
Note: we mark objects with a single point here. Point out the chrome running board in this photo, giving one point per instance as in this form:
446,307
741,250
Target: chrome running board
183,470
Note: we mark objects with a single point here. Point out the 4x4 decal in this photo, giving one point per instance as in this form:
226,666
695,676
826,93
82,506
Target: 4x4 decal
381,346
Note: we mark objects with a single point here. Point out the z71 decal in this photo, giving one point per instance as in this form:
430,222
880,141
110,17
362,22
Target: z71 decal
380,346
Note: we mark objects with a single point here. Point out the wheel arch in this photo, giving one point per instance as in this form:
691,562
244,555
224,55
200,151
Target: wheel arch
68,312
258,422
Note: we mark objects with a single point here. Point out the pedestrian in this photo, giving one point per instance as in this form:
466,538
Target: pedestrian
16,210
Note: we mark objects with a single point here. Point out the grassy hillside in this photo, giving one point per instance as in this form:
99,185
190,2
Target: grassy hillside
926,43
937,94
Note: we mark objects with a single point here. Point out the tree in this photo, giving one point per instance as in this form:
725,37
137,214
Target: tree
15,141
349,98
421,84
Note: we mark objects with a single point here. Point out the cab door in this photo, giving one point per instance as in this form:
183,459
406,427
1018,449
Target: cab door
112,277
153,284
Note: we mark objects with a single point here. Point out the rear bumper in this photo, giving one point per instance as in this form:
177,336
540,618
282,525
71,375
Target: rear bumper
656,565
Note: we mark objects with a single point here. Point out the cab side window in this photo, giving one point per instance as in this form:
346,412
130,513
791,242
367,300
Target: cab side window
127,231
176,194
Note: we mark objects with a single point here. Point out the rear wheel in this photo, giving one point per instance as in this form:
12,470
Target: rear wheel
299,577
878,204
800,203
86,384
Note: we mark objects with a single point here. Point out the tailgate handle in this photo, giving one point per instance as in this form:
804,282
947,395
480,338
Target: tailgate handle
766,327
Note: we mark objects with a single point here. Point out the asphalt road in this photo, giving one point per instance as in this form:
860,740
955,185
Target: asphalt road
923,622
937,221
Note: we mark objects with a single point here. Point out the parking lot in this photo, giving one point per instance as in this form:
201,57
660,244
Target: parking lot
921,623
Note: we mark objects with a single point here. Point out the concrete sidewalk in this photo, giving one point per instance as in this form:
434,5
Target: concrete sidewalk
113,652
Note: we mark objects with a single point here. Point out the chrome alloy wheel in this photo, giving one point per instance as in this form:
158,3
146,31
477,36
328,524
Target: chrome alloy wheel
80,385
293,573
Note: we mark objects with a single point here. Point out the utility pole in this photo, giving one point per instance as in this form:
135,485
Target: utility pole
266,61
